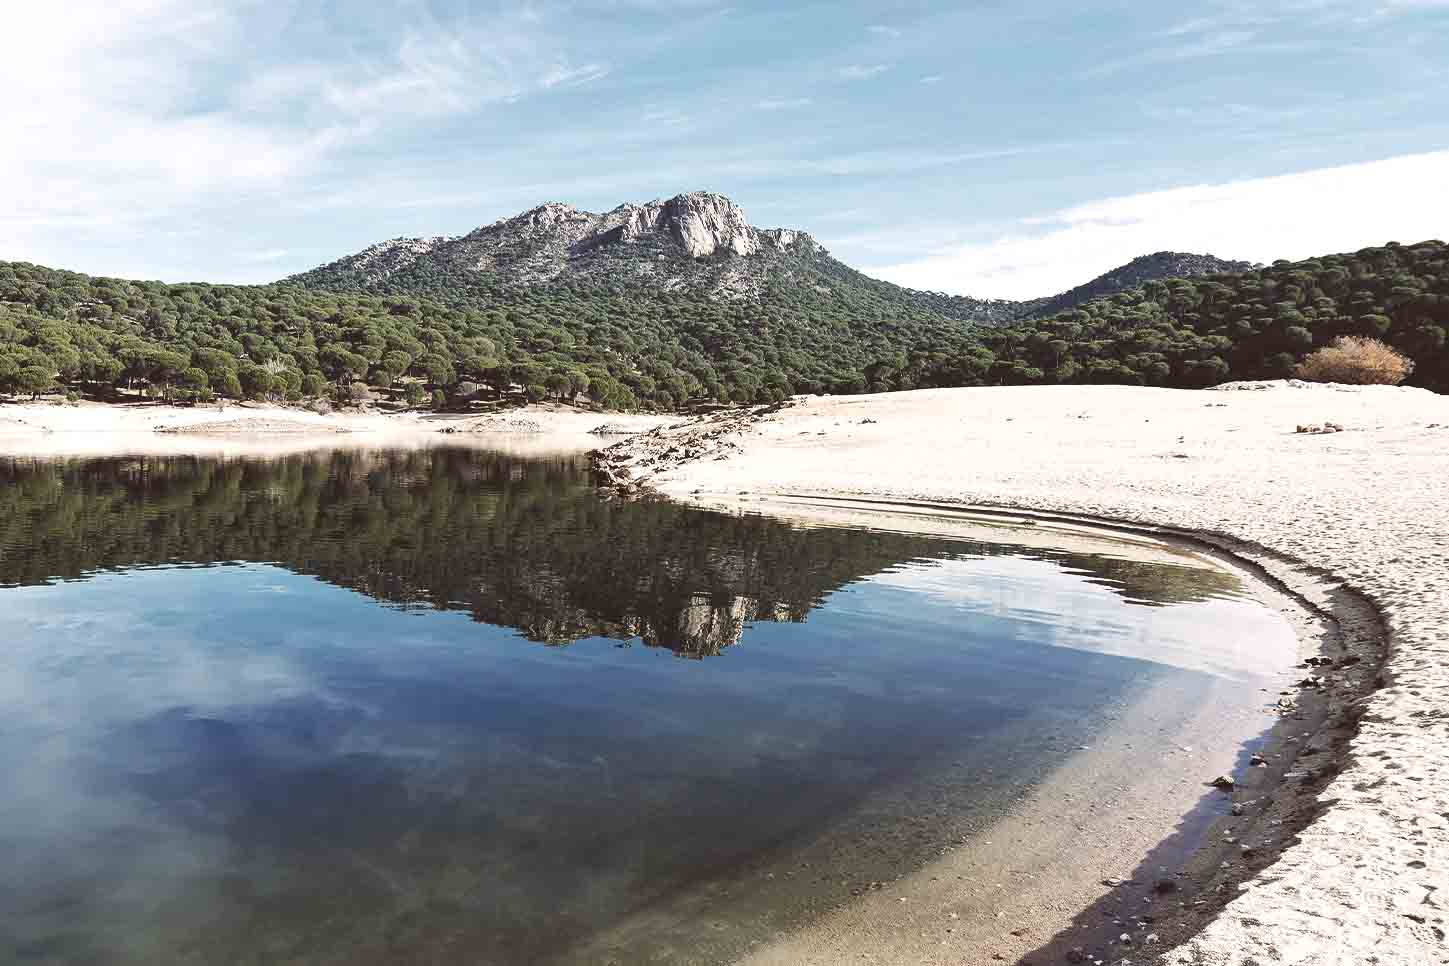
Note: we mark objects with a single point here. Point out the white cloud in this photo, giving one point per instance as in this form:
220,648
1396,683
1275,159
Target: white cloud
862,71
1292,216
932,79
100,122
881,30
131,117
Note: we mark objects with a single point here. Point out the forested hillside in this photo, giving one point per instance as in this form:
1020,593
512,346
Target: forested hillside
1139,271
1253,325
626,346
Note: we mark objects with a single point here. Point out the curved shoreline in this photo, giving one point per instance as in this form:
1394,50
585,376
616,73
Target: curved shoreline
1364,511
1358,526
1201,852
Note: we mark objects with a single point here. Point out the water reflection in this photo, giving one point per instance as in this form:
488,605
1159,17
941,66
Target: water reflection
518,543
226,751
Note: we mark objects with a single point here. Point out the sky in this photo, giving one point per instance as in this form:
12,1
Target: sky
996,149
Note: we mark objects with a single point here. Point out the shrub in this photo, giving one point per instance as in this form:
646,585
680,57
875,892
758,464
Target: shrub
1358,361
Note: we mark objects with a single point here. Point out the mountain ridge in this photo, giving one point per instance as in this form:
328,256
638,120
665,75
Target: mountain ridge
698,241
669,242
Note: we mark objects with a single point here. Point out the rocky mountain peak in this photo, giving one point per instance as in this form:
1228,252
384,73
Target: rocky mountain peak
698,239
702,223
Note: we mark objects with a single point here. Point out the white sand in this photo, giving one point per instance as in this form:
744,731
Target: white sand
1369,506
95,429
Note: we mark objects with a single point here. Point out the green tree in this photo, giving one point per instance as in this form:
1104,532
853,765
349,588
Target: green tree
34,380
194,380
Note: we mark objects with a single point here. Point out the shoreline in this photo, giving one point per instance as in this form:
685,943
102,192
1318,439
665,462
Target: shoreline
1015,872
1090,886
51,429
1350,522
1026,885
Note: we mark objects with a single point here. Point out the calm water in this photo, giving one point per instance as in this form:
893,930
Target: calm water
450,707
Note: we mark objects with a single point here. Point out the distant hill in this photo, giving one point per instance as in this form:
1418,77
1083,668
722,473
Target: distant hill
1144,268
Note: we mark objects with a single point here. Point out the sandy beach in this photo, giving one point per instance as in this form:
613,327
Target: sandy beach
98,429
1355,504
1345,523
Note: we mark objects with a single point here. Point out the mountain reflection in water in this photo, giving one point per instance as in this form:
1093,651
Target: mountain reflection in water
221,749
525,544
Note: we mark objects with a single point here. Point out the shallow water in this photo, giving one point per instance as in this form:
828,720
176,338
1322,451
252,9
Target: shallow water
450,706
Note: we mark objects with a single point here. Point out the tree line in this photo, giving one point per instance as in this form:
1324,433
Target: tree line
438,340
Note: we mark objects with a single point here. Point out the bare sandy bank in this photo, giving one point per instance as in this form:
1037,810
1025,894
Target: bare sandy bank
1362,510
97,429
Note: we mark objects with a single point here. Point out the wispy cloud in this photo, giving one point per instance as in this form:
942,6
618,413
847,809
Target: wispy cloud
882,30
431,71
562,75
933,78
665,117
1290,216
862,71
1215,43
191,114
900,162
783,103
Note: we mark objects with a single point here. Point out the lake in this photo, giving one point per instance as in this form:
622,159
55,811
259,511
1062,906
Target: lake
450,705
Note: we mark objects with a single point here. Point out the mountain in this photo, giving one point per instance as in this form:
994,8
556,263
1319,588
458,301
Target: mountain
695,242
699,240
682,302
1144,268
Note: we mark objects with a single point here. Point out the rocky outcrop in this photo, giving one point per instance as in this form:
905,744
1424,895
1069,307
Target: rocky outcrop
699,239
702,224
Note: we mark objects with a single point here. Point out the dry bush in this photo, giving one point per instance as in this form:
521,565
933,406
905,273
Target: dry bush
1357,361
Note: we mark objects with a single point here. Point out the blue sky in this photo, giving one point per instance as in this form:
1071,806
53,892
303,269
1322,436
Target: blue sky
998,149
